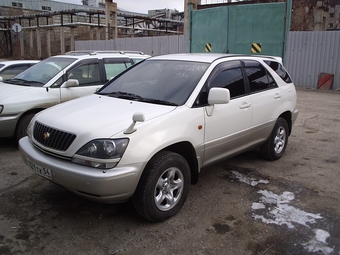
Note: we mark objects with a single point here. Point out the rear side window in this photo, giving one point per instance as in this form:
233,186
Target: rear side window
280,70
113,67
258,77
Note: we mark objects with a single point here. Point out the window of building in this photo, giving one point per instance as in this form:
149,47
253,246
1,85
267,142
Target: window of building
46,8
15,4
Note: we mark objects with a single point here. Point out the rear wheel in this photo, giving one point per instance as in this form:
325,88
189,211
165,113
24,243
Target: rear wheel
163,187
276,144
22,126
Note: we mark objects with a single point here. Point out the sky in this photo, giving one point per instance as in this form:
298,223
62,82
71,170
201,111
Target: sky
141,6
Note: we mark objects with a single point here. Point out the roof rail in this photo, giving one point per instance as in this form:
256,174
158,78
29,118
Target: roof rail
94,52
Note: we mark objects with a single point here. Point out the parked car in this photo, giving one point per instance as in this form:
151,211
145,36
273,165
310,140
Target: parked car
10,68
56,80
147,133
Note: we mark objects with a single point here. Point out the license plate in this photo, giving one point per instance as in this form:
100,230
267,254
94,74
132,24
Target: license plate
42,171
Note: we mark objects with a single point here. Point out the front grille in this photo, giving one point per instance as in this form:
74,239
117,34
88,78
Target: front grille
51,137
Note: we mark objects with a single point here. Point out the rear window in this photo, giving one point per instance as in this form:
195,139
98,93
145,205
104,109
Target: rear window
280,70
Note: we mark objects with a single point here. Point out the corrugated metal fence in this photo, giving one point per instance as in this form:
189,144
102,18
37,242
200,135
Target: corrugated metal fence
149,45
308,54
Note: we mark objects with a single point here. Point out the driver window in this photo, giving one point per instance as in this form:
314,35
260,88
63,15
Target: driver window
226,75
231,79
87,74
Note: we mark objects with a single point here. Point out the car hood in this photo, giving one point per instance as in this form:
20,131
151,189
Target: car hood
98,116
11,89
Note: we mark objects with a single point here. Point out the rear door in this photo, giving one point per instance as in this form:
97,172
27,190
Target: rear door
266,99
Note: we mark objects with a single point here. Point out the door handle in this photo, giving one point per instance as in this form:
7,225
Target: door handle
277,96
245,105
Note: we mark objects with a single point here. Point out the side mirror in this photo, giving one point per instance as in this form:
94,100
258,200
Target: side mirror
137,117
71,83
218,96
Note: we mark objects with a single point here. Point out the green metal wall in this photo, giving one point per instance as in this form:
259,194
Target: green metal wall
243,29
209,26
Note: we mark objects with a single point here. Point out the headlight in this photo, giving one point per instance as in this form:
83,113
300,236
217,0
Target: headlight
1,108
101,153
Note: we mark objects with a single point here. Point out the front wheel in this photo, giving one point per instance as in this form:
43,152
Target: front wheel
163,187
276,144
21,129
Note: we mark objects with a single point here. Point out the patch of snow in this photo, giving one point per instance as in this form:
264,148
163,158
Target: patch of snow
318,243
250,181
257,206
282,213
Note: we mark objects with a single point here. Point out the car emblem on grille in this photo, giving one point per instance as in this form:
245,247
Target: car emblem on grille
46,135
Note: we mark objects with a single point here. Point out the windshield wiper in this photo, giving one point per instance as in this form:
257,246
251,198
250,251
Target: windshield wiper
16,81
131,96
125,95
37,82
157,101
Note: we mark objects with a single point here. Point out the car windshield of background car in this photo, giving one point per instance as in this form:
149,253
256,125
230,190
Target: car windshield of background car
157,81
42,72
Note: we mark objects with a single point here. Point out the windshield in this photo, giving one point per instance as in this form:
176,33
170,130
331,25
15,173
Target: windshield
41,73
157,81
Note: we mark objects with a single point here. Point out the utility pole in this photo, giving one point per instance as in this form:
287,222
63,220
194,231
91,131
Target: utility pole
111,24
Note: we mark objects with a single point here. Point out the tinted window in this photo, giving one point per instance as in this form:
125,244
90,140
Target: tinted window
280,70
229,76
258,77
157,81
225,75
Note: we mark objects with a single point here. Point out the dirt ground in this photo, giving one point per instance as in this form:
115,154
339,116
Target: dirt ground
244,205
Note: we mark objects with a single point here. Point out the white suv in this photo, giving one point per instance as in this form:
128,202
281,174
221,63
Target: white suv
147,133
10,68
56,80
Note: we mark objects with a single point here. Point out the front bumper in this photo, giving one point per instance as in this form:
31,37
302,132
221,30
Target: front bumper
7,125
108,186
294,115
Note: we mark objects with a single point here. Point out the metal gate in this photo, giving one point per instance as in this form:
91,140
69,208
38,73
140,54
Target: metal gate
242,29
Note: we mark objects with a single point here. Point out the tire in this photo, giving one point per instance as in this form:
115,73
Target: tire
163,187
276,144
21,129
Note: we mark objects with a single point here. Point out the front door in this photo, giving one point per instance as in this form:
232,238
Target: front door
227,125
